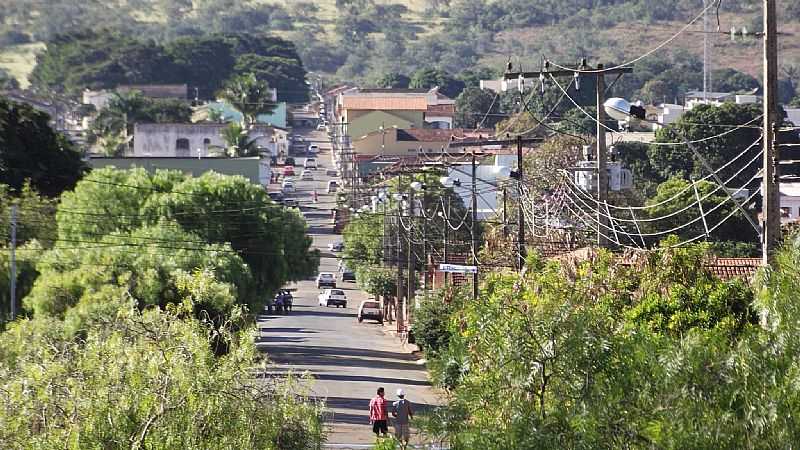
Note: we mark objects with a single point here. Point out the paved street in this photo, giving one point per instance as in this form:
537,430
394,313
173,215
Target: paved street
348,360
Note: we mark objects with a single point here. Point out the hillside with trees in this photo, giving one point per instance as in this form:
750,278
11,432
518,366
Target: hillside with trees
368,40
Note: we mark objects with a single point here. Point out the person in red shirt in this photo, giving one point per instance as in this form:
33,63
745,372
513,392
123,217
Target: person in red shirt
378,415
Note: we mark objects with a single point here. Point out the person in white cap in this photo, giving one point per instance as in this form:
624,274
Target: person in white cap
401,410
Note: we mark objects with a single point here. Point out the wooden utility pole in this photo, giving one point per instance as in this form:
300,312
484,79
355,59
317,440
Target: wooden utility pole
474,230
410,254
13,271
601,153
771,209
602,157
398,258
520,214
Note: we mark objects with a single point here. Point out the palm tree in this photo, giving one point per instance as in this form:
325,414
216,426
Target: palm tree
239,141
249,96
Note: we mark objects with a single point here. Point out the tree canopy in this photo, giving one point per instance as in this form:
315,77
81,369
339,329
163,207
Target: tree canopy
106,59
31,151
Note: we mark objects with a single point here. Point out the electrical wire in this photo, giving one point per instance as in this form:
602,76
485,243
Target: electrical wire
649,52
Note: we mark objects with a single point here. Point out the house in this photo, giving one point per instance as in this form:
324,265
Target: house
198,139
99,99
371,150
693,98
365,110
790,201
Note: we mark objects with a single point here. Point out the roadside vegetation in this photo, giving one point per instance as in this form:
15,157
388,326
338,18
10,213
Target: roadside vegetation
135,328
651,352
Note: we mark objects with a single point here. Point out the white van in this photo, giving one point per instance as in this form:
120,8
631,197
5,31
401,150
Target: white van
332,186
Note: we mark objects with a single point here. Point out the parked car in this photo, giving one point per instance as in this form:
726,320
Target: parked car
291,203
331,172
276,197
288,161
288,171
310,163
326,279
335,297
287,186
321,127
313,148
347,274
307,175
370,309
332,186
337,246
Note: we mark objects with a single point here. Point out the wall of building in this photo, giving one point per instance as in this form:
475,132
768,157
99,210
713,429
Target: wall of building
252,168
204,139
361,123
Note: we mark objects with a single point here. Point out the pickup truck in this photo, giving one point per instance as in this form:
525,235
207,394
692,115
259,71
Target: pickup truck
335,297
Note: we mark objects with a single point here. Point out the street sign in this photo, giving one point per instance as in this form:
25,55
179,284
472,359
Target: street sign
455,268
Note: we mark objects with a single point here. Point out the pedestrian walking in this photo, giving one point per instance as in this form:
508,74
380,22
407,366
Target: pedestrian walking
315,195
378,415
401,410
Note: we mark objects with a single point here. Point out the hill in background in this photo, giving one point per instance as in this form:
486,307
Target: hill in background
362,40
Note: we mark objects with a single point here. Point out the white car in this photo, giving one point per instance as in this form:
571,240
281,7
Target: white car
287,186
321,127
307,175
313,148
335,297
326,279
310,163
336,246
370,309
332,186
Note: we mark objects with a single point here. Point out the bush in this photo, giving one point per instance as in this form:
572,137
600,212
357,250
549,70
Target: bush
432,329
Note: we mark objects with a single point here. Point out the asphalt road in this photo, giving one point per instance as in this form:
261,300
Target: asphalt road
347,360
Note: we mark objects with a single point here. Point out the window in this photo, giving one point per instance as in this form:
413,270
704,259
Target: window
786,211
206,142
182,147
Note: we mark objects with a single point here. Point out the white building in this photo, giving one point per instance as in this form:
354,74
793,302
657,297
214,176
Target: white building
198,139
790,201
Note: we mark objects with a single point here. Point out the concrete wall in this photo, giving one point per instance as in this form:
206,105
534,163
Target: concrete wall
155,139
251,168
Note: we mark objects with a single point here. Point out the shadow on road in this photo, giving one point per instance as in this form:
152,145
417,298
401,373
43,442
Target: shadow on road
324,313
305,358
287,330
377,380
347,351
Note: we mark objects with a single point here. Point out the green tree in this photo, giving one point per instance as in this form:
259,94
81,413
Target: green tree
238,140
7,81
249,96
428,78
675,205
145,379
392,80
705,121
33,152
475,107
115,123
287,75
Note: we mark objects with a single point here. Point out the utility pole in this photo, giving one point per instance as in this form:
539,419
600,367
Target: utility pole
410,255
602,172
771,197
424,237
446,227
474,231
706,51
519,141
13,262
399,300
601,153
520,214
505,213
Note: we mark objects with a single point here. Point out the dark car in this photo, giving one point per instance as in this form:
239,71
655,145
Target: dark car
276,197
288,161
348,275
